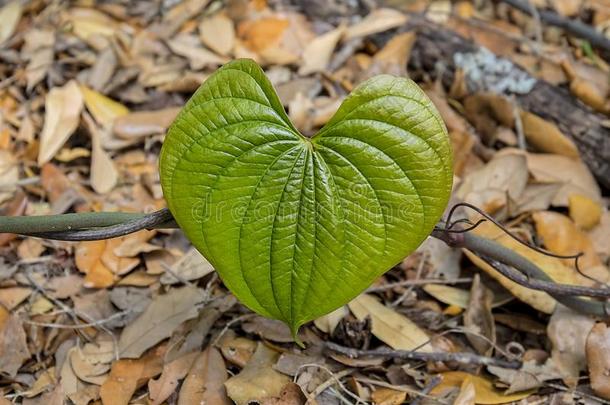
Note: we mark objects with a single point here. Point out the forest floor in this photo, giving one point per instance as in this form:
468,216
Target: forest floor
87,91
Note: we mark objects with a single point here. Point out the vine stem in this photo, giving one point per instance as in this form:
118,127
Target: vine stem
105,225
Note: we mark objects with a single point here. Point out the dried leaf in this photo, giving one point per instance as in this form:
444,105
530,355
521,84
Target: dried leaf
478,318
388,396
550,265
104,175
13,345
561,236
164,314
63,106
218,33
318,52
568,332
38,50
258,379
291,395
204,383
174,371
10,15
126,376
546,137
144,123
485,393
394,56
190,47
9,174
238,350
379,20
598,359
389,326
329,322
13,296
88,368
585,212
104,109
467,393
191,266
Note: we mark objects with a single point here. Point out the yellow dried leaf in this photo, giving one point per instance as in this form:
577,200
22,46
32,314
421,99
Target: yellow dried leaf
585,212
555,268
104,109
63,106
10,15
389,326
546,137
598,359
485,393
379,20
388,396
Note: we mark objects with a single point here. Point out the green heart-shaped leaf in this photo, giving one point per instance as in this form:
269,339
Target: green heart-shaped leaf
297,227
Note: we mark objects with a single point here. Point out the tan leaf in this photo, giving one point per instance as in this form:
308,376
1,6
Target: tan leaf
485,392
9,174
38,50
238,350
585,212
262,33
88,257
11,297
600,235
379,20
104,109
91,25
144,123
164,314
258,379
87,368
13,345
318,52
393,58
63,106
189,47
291,394
103,173
388,396
204,382
218,33
467,393
45,380
546,137
598,359
10,15
389,326
478,318
329,322
160,389
126,376
550,265
561,236
191,266
568,332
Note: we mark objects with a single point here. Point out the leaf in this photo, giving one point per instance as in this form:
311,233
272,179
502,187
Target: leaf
289,221
126,376
174,371
10,15
318,52
585,212
546,137
478,318
191,266
218,33
598,359
379,20
389,326
144,123
63,106
104,109
158,321
13,345
388,396
258,379
553,267
204,382
329,322
485,393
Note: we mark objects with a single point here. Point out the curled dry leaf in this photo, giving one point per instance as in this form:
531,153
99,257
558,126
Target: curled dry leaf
63,106
389,326
164,314
258,379
204,383
478,318
598,359
237,350
174,371
568,332
191,266
467,393
218,33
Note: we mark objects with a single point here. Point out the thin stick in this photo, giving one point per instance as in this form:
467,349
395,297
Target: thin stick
462,358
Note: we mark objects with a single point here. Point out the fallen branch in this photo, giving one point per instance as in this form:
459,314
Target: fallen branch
462,358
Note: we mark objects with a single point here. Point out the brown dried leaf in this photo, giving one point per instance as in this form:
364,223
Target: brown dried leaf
164,314
381,19
478,318
13,344
318,52
258,379
160,389
393,58
10,15
9,174
598,359
126,376
237,350
568,332
63,106
13,296
546,136
218,33
389,326
191,266
144,123
190,47
388,396
291,395
38,51
204,383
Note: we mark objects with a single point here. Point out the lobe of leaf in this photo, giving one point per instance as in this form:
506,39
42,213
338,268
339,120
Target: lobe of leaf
297,227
